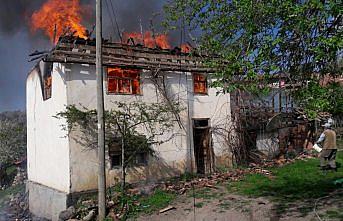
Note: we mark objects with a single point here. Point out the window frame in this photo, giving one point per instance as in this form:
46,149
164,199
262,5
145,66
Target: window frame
205,81
47,89
139,73
117,152
116,166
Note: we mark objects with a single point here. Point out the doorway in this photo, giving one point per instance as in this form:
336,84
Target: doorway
203,150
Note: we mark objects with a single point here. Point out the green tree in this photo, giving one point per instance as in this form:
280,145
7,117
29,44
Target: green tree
315,98
255,40
12,136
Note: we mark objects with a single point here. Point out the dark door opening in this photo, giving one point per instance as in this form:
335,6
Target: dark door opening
202,146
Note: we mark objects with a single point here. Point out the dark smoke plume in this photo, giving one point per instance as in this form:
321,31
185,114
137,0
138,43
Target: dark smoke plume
130,14
14,14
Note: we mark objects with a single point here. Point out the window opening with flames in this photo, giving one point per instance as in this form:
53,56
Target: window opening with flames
123,81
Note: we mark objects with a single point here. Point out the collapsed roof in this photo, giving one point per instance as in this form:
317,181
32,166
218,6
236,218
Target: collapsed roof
76,50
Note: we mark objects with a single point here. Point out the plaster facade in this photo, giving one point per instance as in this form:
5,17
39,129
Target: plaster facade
60,162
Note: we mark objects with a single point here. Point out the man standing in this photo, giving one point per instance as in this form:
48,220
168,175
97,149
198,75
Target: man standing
328,153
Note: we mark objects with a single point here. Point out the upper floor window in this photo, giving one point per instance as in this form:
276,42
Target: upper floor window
47,87
123,81
45,71
200,83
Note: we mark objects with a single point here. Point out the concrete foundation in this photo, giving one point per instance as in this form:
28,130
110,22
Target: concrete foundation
45,202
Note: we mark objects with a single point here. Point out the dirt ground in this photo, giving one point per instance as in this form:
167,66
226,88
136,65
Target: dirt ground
219,205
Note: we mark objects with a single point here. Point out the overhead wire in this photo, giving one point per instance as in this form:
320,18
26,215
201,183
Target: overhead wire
116,21
110,15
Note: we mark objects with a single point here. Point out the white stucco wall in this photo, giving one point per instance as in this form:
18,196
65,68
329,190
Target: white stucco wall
174,155
47,146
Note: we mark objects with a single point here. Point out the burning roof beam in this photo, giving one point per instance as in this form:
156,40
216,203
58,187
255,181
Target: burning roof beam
116,54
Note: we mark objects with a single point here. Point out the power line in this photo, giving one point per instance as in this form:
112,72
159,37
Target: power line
115,19
110,15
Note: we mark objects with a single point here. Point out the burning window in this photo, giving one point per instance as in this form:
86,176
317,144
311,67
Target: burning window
123,81
200,83
47,87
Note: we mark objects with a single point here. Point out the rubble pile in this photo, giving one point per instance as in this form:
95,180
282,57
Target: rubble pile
20,177
235,175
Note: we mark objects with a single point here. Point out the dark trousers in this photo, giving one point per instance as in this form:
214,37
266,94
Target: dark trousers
328,157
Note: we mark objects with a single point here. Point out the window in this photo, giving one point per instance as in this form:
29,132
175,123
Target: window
45,71
123,81
140,158
200,83
116,160
47,87
114,151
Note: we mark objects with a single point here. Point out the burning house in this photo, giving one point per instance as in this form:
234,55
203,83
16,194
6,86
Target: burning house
60,168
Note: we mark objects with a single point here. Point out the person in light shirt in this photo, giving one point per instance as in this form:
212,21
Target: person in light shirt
328,154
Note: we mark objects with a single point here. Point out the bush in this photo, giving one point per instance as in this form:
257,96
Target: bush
12,136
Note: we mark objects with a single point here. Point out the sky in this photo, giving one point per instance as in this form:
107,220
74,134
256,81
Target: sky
17,41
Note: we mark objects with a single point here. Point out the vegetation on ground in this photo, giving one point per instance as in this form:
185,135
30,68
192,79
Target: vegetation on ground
130,205
300,181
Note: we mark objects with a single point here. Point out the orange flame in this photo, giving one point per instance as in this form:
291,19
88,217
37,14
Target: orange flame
186,48
56,17
160,40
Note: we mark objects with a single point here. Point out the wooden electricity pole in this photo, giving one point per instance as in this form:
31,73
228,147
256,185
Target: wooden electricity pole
100,112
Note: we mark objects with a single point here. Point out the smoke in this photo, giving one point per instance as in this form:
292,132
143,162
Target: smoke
14,15
134,14
131,15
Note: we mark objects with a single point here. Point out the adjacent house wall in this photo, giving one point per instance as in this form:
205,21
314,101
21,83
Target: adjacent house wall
174,157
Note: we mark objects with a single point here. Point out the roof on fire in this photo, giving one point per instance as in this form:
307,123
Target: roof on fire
77,50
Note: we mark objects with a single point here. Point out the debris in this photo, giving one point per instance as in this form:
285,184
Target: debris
110,204
113,216
67,214
90,216
167,209
211,186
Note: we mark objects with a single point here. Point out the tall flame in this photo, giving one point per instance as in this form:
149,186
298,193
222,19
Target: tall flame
160,40
57,17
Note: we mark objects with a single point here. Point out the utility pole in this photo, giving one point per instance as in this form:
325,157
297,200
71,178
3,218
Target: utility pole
100,112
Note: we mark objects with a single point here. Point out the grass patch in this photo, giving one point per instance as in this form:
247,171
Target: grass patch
204,193
301,181
135,204
158,200
148,204
199,205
